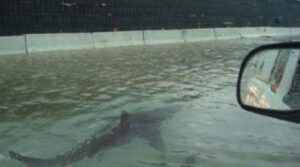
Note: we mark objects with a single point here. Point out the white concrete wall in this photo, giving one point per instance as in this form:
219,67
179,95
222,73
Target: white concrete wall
269,31
12,45
264,31
194,35
68,41
253,32
111,39
277,31
62,41
295,31
227,33
163,36
282,31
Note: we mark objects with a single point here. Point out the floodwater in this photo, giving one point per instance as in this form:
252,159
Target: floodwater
51,102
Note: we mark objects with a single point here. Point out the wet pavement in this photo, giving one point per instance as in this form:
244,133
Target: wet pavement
52,101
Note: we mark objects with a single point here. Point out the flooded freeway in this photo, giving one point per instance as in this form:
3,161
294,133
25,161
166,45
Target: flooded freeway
52,102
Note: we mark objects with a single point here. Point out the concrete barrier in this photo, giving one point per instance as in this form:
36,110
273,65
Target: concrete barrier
283,31
194,35
112,39
227,33
12,45
65,41
267,31
253,32
295,31
163,36
278,31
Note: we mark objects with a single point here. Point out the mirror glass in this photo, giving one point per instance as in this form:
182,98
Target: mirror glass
271,80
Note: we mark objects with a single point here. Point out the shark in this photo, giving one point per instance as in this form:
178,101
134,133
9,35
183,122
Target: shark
146,125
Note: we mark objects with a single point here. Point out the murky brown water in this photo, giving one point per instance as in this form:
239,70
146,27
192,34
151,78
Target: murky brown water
52,101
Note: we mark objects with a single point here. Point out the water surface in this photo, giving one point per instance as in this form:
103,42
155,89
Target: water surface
52,101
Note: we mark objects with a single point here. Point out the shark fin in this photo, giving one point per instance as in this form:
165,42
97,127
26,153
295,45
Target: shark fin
156,141
31,162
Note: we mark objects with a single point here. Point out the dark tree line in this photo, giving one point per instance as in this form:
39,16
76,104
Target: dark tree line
48,16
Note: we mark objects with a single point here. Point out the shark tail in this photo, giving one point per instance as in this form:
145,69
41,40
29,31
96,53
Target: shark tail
29,161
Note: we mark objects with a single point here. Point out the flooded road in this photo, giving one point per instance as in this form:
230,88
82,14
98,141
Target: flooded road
51,102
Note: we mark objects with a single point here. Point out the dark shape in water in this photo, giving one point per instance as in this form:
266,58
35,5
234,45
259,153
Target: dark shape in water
144,124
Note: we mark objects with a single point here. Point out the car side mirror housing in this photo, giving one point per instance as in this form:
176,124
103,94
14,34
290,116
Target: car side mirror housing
269,81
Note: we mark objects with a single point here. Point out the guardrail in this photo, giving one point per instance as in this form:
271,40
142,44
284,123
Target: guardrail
31,43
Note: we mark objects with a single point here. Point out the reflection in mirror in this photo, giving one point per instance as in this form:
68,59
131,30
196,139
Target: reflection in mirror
271,80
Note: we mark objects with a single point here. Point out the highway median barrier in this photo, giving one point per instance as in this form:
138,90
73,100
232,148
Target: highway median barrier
195,35
12,45
295,31
278,31
30,43
113,39
163,36
253,32
62,41
227,33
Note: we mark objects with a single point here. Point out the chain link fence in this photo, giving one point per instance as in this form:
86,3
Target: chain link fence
52,16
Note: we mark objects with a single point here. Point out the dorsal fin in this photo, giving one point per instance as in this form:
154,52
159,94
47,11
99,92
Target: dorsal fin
124,115
124,122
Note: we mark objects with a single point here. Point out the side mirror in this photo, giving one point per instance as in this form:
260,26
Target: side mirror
269,81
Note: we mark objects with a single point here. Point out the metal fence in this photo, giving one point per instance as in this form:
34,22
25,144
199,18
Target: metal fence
48,16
